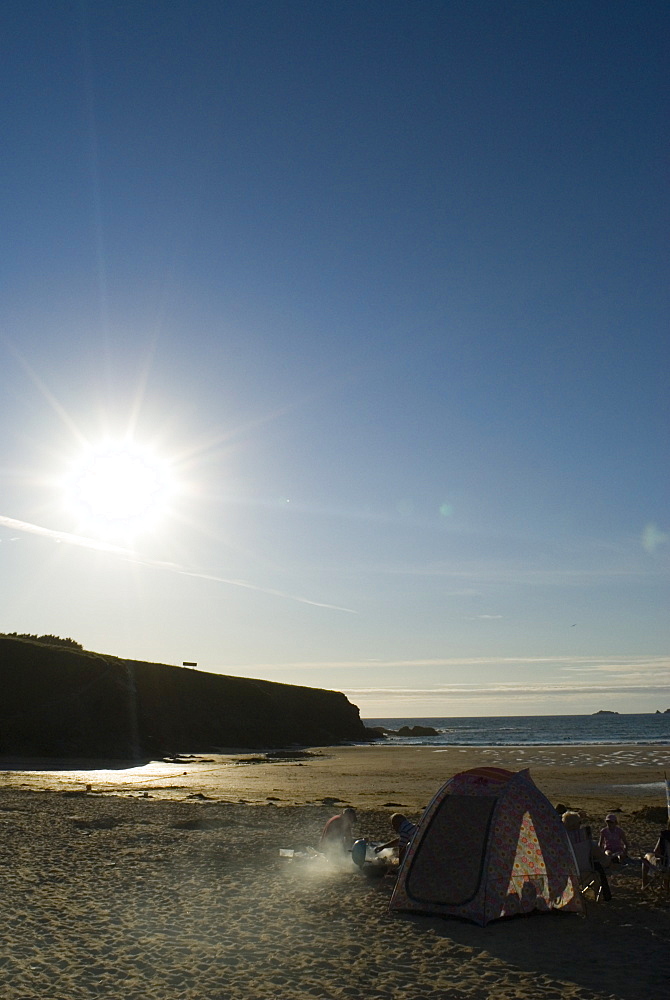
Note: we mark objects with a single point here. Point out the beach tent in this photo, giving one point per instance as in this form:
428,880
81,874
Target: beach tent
489,845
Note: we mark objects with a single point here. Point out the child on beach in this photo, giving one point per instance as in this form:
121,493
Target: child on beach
613,840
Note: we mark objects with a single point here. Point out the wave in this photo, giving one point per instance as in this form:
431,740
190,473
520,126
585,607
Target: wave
551,730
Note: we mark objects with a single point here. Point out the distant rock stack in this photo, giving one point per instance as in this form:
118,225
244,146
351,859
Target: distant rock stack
380,733
63,702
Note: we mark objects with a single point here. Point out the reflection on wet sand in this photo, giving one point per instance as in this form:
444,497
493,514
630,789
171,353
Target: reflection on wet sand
365,776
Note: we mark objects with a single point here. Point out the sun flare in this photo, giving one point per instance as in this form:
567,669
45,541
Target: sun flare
119,488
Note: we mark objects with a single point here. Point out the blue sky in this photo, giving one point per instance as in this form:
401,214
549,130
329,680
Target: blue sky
385,288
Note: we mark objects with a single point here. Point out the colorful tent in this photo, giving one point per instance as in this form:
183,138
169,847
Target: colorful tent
489,845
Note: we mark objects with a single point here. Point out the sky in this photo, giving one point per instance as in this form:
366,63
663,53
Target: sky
334,344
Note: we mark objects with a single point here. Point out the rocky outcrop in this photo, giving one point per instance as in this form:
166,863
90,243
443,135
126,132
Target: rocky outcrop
379,733
376,733
58,701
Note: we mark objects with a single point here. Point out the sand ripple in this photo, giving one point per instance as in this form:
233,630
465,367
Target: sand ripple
135,899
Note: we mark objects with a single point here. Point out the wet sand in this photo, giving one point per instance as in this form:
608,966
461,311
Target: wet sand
600,778
161,885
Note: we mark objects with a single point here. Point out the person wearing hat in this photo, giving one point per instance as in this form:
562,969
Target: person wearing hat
613,840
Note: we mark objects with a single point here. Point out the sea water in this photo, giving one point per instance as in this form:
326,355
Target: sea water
534,730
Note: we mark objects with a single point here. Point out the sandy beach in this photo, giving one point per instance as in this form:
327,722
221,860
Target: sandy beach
164,882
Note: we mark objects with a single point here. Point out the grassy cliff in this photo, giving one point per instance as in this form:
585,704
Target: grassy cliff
63,701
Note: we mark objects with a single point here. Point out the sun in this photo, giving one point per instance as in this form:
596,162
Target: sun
119,488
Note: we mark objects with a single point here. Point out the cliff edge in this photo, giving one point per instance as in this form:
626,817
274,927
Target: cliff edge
59,701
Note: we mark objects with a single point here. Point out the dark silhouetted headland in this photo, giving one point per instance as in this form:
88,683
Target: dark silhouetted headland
60,700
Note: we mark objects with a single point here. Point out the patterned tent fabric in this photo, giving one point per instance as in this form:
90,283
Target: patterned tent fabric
489,845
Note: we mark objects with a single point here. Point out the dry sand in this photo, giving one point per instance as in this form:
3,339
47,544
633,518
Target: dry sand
160,885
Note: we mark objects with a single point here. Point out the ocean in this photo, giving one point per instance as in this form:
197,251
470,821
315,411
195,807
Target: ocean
535,730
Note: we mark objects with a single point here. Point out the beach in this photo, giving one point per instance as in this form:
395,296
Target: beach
165,882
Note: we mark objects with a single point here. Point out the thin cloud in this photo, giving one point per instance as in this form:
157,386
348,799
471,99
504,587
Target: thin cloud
129,555
506,574
65,536
506,691
577,663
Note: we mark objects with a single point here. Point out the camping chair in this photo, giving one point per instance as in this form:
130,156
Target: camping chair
591,872
655,867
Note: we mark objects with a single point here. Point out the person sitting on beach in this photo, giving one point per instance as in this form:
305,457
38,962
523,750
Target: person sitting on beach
613,840
337,836
589,856
404,830
659,859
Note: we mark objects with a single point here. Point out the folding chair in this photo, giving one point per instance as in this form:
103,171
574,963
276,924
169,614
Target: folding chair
657,865
591,873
